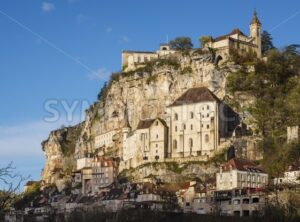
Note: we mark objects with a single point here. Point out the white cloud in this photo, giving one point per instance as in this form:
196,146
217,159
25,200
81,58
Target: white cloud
81,18
25,139
124,39
108,29
100,74
48,7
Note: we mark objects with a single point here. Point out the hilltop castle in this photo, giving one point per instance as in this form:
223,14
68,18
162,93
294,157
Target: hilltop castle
236,39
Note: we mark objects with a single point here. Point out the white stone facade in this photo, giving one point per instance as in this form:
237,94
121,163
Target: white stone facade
105,139
135,59
235,175
148,143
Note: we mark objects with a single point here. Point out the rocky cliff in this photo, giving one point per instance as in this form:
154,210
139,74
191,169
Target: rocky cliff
129,97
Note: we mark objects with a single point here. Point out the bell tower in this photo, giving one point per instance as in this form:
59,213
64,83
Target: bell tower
255,32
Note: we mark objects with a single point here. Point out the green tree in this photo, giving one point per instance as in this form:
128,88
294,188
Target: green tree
203,40
267,42
181,43
102,92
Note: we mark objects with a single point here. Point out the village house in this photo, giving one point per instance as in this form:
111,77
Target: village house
105,139
104,173
240,202
87,180
148,143
237,40
291,176
197,120
239,174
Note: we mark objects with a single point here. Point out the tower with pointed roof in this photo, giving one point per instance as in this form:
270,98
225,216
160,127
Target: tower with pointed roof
255,32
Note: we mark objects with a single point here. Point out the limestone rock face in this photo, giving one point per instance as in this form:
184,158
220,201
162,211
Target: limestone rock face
133,96
59,154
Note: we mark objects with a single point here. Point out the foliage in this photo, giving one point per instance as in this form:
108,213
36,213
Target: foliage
151,79
275,86
266,42
103,92
186,70
10,182
203,40
181,43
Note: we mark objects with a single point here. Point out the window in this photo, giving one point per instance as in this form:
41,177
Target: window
191,115
156,136
175,144
139,59
206,138
207,115
156,145
184,127
207,107
175,128
191,142
207,126
156,123
176,116
191,127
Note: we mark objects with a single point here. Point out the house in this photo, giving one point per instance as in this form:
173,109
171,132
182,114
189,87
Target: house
148,143
112,200
239,174
240,202
197,120
105,139
104,173
84,161
87,180
237,40
293,134
291,176
186,195
135,59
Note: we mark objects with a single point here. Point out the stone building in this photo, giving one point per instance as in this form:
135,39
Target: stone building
148,143
239,174
237,40
105,139
104,173
197,120
135,59
293,134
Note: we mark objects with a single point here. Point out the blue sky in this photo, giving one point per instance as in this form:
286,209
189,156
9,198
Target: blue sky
64,50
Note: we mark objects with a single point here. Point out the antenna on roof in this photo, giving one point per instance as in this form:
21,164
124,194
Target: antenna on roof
167,37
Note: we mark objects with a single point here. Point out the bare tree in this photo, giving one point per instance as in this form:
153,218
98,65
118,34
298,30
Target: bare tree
10,183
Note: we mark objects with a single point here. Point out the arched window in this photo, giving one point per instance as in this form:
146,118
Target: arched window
175,144
191,115
176,116
184,127
190,142
206,138
175,128
191,127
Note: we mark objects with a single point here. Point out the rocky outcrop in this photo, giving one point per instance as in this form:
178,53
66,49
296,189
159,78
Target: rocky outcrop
130,97
59,151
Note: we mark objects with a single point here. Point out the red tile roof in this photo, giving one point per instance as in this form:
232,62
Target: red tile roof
241,165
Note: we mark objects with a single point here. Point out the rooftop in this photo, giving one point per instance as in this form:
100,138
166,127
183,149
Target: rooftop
241,165
196,95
